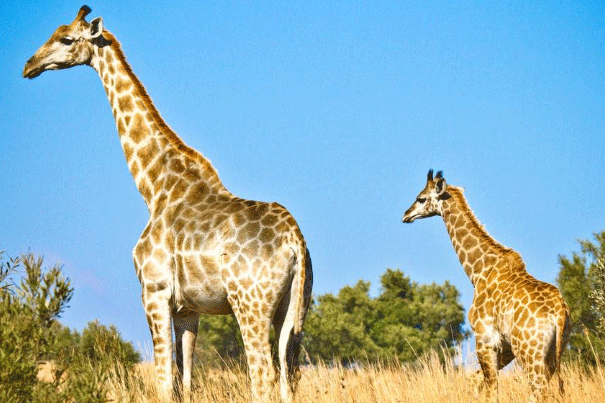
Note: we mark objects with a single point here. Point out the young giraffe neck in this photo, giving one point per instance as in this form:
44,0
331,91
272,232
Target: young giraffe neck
481,256
157,158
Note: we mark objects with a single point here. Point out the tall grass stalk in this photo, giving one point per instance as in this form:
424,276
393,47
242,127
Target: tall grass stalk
430,379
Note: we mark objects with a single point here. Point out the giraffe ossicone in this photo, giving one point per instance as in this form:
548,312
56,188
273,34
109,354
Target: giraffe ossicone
203,250
513,315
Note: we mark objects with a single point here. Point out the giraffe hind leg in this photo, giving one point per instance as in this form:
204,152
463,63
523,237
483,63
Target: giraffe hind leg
260,363
255,331
545,365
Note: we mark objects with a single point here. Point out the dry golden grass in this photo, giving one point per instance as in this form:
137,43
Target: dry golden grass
426,381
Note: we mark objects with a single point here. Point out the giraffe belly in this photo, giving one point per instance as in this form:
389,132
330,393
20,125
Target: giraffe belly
199,299
198,286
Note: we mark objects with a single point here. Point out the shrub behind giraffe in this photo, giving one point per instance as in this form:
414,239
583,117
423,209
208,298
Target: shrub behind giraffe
581,280
27,311
30,335
404,321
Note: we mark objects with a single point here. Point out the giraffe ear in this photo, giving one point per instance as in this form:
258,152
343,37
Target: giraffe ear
96,28
440,189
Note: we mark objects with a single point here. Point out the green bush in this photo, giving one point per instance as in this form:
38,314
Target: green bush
406,320
403,322
30,333
581,279
27,311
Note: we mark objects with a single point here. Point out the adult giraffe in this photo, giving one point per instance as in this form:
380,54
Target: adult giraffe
513,315
203,250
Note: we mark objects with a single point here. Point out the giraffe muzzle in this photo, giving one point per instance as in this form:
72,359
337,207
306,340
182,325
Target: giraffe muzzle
31,70
408,220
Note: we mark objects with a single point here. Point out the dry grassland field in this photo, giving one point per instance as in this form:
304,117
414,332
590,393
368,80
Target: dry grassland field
426,381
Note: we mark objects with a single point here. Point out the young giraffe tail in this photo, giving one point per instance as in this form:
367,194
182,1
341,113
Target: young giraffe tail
563,331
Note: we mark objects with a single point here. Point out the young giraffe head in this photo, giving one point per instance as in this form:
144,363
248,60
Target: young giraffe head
429,201
70,45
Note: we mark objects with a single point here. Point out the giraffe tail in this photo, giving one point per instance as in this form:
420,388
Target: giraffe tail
301,288
563,332
290,337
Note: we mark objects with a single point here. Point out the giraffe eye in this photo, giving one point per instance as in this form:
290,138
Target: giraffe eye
421,199
67,40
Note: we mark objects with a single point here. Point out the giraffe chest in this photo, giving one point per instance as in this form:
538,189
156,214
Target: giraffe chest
492,311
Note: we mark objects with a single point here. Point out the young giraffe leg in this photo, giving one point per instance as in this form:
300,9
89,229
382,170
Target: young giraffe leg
541,365
505,356
488,360
185,332
538,382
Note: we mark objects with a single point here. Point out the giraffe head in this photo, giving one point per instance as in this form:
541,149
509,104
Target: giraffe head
70,45
429,200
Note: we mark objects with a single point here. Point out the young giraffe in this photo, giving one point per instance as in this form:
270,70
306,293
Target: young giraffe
203,250
513,315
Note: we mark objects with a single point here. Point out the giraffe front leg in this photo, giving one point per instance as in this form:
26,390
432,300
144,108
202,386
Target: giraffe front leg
156,301
504,356
185,332
488,360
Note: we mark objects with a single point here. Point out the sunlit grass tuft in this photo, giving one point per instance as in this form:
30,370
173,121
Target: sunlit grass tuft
430,379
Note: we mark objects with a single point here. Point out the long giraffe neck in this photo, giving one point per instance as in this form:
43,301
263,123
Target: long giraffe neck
157,158
481,256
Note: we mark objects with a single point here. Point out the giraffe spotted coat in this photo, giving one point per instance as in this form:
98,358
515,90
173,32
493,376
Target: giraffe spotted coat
513,315
203,250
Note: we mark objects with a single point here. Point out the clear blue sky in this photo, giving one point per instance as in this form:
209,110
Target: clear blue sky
334,109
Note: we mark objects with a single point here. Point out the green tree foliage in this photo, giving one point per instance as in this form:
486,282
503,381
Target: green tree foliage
98,342
406,320
95,342
30,333
219,341
598,294
581,280
342,325
95,355
27,312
